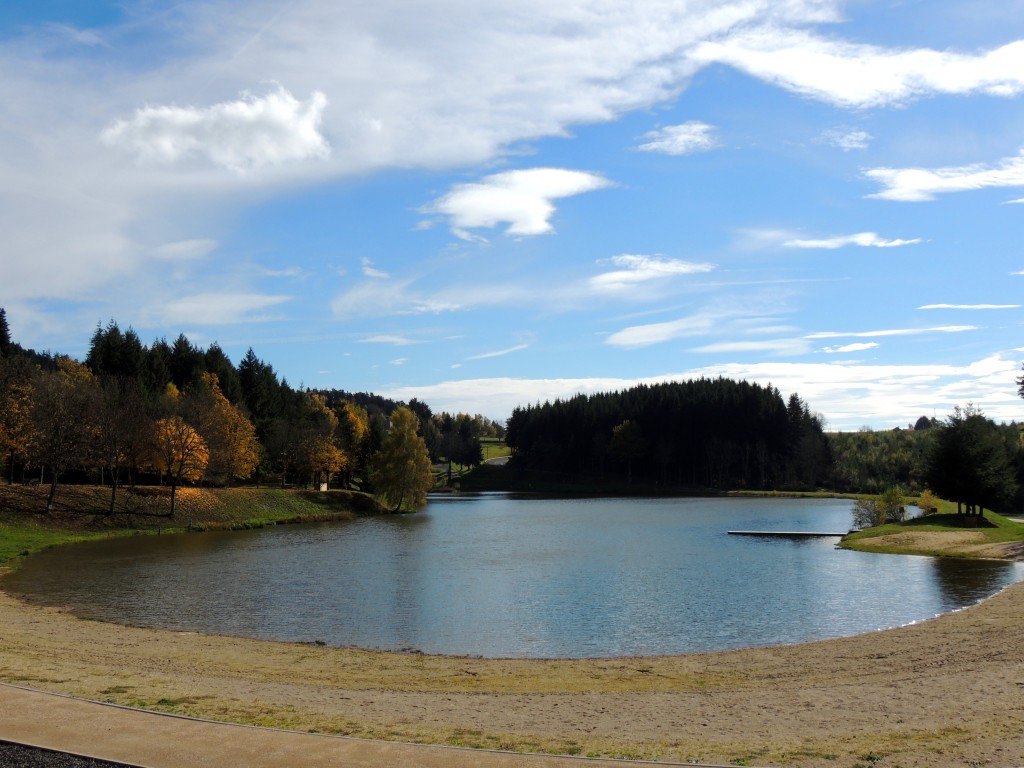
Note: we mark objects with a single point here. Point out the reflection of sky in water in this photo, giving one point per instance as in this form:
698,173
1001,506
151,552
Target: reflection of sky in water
499,577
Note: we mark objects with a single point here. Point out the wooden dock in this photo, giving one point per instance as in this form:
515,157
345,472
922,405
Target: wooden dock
788,534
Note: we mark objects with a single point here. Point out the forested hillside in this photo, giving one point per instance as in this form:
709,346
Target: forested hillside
176,414
695,434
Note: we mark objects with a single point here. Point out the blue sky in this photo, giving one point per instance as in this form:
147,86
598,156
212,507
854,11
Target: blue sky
490,204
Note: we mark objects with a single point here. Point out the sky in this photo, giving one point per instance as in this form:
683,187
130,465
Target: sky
488,205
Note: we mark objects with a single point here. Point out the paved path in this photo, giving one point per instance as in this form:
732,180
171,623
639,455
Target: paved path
151,740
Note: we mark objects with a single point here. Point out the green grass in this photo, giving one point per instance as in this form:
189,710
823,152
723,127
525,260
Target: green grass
995,528
82,513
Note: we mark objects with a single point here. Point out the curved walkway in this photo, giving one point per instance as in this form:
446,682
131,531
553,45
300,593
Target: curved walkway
152,740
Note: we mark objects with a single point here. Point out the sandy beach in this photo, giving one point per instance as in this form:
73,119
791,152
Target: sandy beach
949,691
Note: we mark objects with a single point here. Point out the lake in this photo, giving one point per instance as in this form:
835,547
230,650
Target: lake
497,576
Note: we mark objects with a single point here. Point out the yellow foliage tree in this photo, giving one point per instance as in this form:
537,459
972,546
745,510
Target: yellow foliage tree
229,435
180,451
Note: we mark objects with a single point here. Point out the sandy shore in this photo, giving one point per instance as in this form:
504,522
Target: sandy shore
945,692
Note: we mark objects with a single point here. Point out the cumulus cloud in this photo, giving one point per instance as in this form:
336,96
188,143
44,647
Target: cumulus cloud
858,75
523,199
846,139
248,133
636,268
217,308
848,394
863,239
922,184
692,136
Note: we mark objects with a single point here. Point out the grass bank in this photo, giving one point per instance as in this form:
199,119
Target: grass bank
945,534
82,513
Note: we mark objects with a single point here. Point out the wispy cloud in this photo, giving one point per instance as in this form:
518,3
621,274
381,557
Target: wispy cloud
215,308
891,332
370,271
392,339
846,139
773,347
858,346
863,239
636,268
522,199
251,132
685,139
923,184
500,352
970,306
186,250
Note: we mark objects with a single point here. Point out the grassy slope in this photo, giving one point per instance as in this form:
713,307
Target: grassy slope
81,513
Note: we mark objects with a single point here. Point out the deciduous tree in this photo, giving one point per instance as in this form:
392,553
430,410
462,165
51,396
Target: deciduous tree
402,473
180,451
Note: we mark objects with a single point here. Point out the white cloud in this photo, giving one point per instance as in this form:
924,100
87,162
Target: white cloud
186,250
970,306
521,198
657,333
399,361
863,239
249,133
393,339
774,347
848,394
858,346
215,308
858,75
891,332
500,353
922,184
370,271
637,268
846,139
692,136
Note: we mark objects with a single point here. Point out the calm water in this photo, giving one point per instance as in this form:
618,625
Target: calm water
495,576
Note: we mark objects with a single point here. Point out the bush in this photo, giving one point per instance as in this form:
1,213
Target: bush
886,507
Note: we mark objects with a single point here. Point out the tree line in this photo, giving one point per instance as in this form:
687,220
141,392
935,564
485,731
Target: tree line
173,414
704,433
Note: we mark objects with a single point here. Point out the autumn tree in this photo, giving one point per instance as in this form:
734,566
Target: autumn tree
17,378
62,430
229,435
401,472
180,451
352,432
121,429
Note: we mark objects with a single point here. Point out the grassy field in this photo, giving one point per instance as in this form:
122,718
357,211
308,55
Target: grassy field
944,534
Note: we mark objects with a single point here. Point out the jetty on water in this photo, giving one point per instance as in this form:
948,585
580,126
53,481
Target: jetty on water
789,534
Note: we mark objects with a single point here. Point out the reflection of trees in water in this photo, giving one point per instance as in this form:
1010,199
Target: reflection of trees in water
962,582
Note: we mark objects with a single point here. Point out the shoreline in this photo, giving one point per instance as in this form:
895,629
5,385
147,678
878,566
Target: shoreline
886,693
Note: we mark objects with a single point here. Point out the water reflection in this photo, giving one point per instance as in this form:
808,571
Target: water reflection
496,576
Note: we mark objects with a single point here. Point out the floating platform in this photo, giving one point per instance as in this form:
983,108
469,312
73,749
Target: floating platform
788,534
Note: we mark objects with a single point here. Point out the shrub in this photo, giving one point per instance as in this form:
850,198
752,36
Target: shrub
886,507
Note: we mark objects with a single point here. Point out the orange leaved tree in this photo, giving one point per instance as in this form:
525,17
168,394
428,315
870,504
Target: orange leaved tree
180,451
